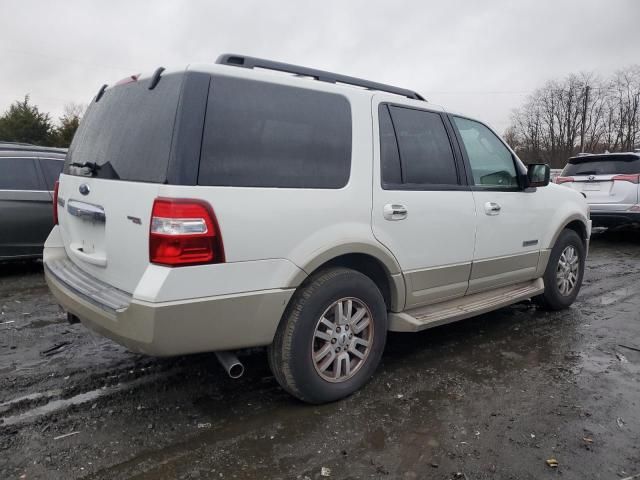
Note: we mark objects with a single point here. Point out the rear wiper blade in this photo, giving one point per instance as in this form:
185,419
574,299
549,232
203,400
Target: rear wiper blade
93,167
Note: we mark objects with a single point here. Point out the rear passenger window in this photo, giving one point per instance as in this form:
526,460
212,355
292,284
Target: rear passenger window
18,174
266,135
426,156
51,170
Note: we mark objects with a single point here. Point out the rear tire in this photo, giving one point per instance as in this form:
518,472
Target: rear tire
331,338
564,272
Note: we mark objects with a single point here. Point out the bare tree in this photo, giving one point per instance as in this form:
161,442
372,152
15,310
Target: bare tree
68,124
555,119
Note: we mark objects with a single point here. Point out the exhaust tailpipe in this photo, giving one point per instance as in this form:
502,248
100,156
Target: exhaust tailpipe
231,364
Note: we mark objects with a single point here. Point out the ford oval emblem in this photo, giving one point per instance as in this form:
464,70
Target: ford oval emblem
84,189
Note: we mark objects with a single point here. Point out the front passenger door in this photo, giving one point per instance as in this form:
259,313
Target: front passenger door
510,219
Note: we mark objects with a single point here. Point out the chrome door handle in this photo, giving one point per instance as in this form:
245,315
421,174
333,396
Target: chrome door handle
394,212
492,208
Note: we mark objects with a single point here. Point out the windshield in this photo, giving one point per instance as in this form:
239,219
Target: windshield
127,134
618,165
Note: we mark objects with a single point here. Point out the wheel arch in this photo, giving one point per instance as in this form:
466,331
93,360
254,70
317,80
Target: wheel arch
380,266
576,223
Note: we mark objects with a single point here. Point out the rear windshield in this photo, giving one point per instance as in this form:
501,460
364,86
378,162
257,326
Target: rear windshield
128,132
622,165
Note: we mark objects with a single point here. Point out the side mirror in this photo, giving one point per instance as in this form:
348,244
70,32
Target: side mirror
538,175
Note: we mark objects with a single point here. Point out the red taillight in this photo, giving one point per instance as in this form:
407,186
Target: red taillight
55,202
627,178
184,232
564,179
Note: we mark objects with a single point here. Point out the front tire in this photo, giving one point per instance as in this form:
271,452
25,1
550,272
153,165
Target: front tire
564,272
331,338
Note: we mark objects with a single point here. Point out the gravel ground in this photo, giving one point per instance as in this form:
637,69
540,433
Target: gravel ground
490,397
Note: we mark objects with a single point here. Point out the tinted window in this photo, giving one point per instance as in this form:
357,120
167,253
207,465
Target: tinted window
51,170
265,135
128,131
18,174
491,161
425,151
389,156
602,166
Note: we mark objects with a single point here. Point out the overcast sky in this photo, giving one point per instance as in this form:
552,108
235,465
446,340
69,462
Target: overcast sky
478,57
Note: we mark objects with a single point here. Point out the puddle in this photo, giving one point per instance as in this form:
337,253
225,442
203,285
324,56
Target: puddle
617,295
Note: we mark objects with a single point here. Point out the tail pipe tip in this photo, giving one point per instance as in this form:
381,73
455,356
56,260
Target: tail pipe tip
231,364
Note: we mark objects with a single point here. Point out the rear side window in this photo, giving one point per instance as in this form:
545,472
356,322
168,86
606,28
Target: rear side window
266,135
423,146
128,132
627,165
51,170
19,174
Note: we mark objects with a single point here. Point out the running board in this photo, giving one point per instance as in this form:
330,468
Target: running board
430,316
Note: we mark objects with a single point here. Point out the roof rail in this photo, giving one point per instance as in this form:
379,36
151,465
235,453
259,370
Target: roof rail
19,146
320,75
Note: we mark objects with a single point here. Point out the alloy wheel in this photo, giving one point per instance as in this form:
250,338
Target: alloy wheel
342,339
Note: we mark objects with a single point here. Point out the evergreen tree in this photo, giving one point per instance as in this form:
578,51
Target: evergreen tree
23,122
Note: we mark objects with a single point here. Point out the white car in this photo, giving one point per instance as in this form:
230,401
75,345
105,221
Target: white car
255,203
611,184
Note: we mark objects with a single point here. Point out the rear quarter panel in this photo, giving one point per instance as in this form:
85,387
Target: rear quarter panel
26,218
296,224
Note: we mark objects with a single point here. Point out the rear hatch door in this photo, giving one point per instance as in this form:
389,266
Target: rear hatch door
116,166
607,181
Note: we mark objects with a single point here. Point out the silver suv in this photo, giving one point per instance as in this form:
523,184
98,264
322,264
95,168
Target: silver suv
610,183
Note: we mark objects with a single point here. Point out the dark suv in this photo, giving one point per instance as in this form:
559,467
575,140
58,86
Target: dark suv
27,177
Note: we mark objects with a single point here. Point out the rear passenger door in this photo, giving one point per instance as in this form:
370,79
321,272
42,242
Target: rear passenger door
25,208
423,210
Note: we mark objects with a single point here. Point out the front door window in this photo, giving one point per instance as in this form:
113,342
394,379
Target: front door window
491,161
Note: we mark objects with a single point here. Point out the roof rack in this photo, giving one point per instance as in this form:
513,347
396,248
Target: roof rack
19,146
320,75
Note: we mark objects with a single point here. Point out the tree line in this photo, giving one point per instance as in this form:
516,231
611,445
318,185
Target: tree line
23,122
580,113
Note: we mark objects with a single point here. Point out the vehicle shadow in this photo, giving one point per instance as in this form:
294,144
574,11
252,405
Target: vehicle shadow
620,235
12,268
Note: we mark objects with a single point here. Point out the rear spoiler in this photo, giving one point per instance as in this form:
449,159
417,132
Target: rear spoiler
625,157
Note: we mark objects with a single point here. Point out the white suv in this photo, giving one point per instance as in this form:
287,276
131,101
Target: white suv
254,203
611,184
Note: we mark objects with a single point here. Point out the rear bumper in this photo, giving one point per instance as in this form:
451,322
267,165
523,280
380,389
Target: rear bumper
223,322
611,219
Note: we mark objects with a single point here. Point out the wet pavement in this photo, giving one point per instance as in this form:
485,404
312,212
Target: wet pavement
491,397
